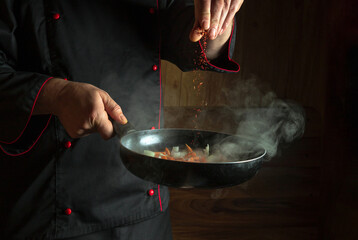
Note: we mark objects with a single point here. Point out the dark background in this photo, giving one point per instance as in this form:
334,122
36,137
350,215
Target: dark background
304,50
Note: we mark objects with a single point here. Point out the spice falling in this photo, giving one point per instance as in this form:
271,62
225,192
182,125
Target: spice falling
198,83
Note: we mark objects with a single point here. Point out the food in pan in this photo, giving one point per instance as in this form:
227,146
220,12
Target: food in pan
185,155
226,150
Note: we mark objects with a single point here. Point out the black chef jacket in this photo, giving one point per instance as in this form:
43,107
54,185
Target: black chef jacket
52,185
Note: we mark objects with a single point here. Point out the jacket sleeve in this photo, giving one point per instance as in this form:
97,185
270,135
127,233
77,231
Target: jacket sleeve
19,90
177,23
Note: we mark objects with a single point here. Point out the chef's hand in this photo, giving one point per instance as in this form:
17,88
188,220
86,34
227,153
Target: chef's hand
82,108
216,16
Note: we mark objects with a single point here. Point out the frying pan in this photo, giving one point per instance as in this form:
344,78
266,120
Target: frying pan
242,165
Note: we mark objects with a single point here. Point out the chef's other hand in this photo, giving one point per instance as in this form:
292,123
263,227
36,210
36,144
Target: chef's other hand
82,108
214,16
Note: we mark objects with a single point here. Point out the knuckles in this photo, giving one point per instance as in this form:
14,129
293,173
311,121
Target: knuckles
116,109
220,2
234,8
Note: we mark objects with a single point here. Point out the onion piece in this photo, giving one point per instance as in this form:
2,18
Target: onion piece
206,150
149,153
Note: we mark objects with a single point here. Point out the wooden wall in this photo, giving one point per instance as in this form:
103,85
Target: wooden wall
288,47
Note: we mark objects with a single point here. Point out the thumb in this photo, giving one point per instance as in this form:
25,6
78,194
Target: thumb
105,126
113,109
196,33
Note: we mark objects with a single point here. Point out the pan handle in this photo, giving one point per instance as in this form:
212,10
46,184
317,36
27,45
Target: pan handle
122,129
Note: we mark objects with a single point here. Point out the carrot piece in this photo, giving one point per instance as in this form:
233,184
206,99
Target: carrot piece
191,154
189,148
167,151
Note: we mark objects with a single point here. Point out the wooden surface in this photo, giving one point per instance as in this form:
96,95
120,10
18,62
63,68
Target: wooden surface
298,50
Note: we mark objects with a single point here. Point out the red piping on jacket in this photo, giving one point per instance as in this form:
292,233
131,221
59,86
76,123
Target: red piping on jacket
160,97
160,199
18,154
228,54
28,120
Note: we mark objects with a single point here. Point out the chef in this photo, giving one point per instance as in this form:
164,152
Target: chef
67,69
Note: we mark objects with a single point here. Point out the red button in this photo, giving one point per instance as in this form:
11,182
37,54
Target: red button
151,10
152,128
151,192
56,16
154,67
68,144
68,211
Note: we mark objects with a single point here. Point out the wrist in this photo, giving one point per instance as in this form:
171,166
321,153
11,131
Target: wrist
48,101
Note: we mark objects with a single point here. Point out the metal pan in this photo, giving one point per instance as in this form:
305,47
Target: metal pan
240,168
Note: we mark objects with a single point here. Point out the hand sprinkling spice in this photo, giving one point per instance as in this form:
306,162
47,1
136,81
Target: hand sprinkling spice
216,18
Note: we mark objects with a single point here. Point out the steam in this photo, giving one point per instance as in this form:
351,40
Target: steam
264,120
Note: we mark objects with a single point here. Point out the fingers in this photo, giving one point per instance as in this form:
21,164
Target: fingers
202,19
104,125
216,9
202,13
223,16
214,16
113,109
196,33
233,8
